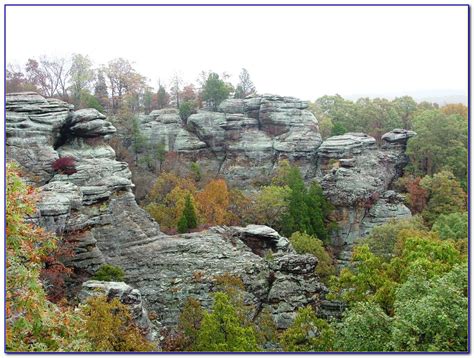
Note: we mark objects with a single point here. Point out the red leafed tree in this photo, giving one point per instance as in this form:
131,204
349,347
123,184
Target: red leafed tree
417,196
65,165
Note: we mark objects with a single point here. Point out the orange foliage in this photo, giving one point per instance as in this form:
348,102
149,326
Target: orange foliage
457,108
213,202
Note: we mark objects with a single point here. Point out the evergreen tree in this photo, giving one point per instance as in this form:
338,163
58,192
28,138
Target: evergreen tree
319,208
162,97
215,90
306,208
188,219
182,224
297,217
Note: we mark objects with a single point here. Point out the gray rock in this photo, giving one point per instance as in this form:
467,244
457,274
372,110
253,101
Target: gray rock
400,136
342,146
90,123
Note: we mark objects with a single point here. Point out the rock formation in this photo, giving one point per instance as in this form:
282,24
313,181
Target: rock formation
94,207
244,140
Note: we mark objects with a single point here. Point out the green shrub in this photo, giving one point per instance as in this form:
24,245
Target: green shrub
307,244
109,272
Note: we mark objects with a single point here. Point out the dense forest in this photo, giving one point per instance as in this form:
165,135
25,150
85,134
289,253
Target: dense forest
405,288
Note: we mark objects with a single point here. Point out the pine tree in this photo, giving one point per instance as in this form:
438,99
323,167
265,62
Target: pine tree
296,218
188,219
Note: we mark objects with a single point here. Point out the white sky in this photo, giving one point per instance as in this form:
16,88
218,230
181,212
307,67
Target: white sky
298,51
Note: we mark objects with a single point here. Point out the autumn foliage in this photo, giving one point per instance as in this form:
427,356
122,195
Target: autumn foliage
213,202
65,165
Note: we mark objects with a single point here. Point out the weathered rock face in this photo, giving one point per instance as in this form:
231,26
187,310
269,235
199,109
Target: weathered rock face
32,129
356,177
96,209
243,140
169,269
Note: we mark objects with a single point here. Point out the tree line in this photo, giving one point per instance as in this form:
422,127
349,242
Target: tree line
118,88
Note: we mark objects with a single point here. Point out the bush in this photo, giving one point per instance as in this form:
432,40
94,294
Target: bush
186,109
110,328
109,273
307,244
307,333
65,165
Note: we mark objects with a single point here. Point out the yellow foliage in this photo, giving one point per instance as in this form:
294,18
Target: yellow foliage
213,203
110,329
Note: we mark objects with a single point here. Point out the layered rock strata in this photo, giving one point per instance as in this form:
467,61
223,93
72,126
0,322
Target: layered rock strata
94,208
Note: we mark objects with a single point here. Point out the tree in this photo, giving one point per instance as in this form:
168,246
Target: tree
308,333
221,330
109,272
189,323
377,116
100,90
188,218
340,111
110,328
186,108
214,90
307,209
82,75
50,75
365,327
125,84
417,195
245,87
440,144
271,204
452,226
213,202
32,322
326,128
160,152
16,81
175,88
457,108
319,210
307,244
162,97
432,315
139,141
382,239
297,216
406,108
338,129
445,196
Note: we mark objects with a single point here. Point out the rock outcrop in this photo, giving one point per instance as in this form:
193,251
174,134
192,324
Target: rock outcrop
94,206
356,177
244,140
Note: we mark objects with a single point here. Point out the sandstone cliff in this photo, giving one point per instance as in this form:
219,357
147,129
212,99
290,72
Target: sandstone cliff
246,138
95,208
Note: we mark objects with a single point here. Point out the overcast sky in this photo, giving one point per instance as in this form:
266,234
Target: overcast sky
299,51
